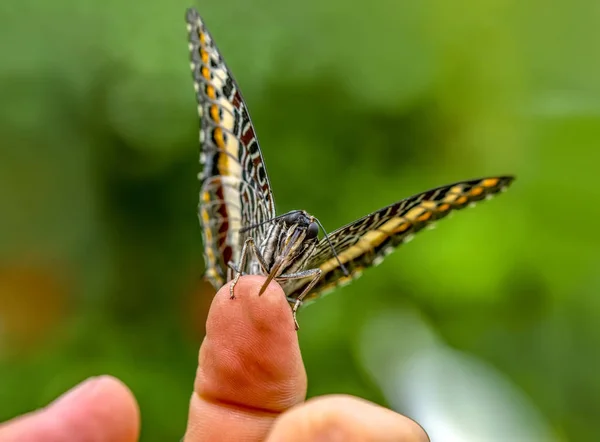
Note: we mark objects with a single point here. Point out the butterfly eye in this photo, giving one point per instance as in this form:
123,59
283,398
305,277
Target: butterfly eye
312,231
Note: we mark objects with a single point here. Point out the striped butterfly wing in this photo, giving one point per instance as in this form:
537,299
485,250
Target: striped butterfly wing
235,189
366,242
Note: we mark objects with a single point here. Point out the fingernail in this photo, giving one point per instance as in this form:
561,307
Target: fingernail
84,387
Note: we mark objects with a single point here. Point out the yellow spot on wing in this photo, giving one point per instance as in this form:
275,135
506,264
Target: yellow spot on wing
218,134
204,56
461,199
452,194
414,213
223,159
214,113
207,232
475,191
402,228
424,217
490,182
210,91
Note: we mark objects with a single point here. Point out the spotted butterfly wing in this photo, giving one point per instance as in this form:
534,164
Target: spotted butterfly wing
366,241
241,231
235,189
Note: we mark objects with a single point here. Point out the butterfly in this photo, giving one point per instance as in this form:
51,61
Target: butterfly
241,231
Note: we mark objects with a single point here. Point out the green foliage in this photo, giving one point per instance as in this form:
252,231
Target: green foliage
356,107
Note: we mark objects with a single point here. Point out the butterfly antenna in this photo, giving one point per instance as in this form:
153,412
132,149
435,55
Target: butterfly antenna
254,226
332,248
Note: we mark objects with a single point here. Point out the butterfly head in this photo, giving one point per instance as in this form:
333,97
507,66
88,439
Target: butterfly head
299,231
301,222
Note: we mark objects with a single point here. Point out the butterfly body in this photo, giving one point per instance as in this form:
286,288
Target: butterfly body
293,236
242,233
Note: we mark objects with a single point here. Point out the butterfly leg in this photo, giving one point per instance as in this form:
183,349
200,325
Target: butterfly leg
315,274
233,266
249,247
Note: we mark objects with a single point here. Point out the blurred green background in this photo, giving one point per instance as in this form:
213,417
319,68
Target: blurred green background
485,329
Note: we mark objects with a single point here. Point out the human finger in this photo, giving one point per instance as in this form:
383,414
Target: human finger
344,418
250,368
97,410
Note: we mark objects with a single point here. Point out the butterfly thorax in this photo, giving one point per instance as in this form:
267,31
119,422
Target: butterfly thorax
288,243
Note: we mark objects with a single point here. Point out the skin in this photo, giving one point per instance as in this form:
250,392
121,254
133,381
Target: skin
250,386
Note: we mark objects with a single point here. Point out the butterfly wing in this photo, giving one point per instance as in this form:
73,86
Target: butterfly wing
235,189
366,241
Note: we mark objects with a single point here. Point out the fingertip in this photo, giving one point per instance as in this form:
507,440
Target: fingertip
98,409
342,417
251,353
250,366
254,310
104,405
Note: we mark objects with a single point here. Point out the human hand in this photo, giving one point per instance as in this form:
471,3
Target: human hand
250,386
